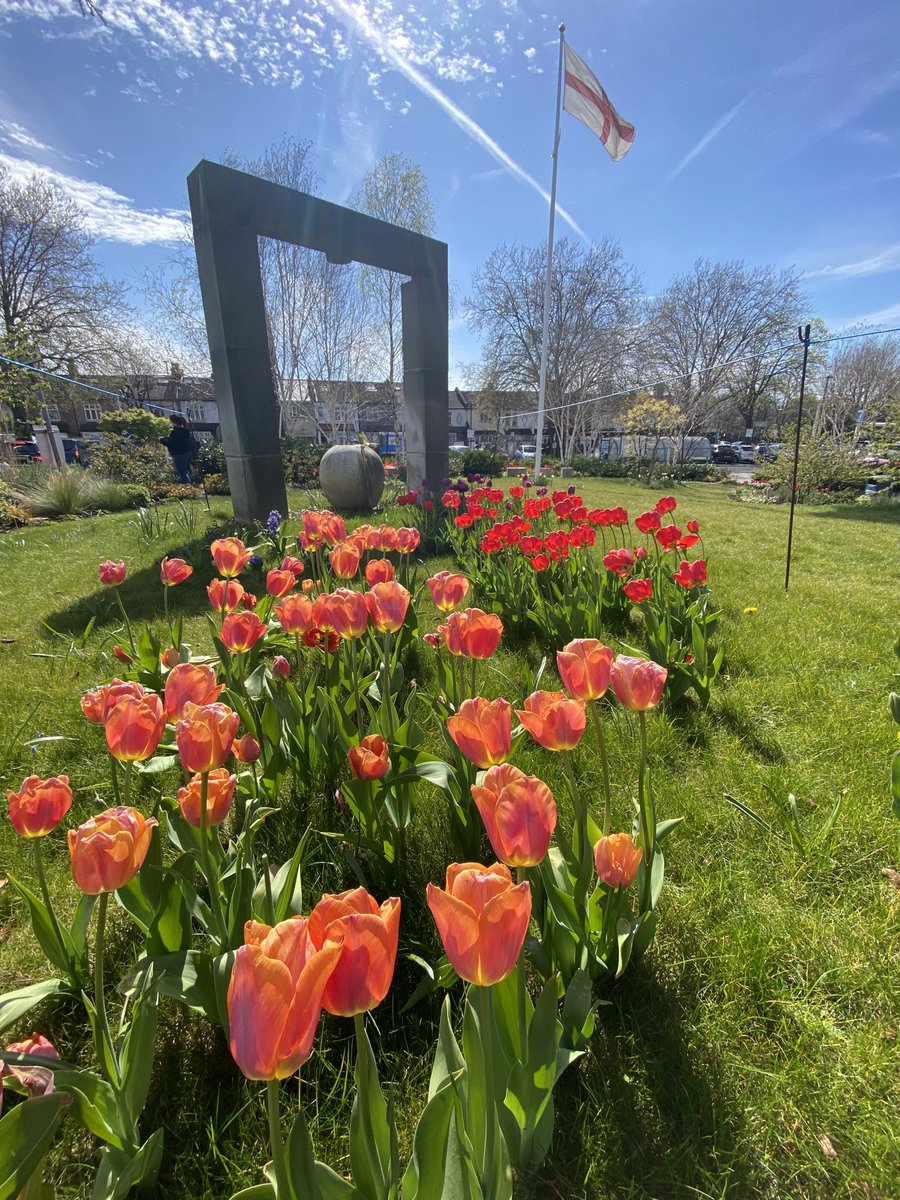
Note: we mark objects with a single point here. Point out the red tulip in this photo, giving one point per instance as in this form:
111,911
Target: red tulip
108,850
693,526
637,682
275,997
248,602
173,571
219,797
482,919
379,570
344,559
279,583
617,859
647,521
482,729
553,720
39,805
246,749
583,667
447,590
230,556
668,536
666,504
294,565
241,631
193,683
323,639
112,573
519,814
134,727
638,590
690,574
225,595
387,604
472,633
368,937
204,735
295,613
281,668
619,561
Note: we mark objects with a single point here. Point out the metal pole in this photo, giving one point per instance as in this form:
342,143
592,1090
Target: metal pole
542,387
803,332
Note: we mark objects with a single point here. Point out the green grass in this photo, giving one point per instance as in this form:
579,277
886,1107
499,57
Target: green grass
754,1052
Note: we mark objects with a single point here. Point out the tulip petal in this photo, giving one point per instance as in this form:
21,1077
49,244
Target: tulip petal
458,928
502,928
303,1019
259,1001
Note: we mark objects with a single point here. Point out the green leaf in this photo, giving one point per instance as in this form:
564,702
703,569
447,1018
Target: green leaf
14,1005
157,764
62,955
93,1104
301,1162
259,1191
448,1058
26,1134
895,782
434,1171
529,1094
333,1186
578,1012
138,1051
170,928
186,977
120,1171
372,1150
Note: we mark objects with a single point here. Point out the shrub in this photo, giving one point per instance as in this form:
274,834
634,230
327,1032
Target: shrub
693,472
217,485
483,462
135,422
603,468
128,460
54,493
825,465
209,460
173,491
112,496
301,462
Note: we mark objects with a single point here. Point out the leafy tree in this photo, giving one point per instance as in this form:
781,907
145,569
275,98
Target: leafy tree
649,420
136,422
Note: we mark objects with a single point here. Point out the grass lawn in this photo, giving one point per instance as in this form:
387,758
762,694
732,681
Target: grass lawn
752,1053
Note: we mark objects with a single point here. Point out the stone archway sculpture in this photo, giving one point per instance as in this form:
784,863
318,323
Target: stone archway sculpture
230,211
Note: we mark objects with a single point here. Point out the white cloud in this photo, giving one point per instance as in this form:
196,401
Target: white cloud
881,316
710,135
887,259
108,214
530,52
14,134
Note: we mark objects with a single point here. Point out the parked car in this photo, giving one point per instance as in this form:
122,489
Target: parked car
458,448
768,451
724,452
71,451
528,451
746,451
27,449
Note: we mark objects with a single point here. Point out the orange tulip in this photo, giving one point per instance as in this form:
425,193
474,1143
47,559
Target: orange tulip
219,797
472,633
347,614
519,814
637,682
99,702
230,556
323,639
279,583
553,719
170,657
617,859
386,538
241,631
344,559
112,573
583,667
379,570
134,727
225,595
387,604
107,851
483,731
369,760
34,1079
246,749
447,590
295,614
333,528
193,683
204,735
294,565
368,938
482,919
173,571
275,997
407,540
39,805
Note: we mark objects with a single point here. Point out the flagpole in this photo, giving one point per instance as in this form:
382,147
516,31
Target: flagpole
542,387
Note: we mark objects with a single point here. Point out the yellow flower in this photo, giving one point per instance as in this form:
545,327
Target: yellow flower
750,609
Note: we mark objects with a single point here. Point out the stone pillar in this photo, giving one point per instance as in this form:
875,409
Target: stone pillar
425,374
231,286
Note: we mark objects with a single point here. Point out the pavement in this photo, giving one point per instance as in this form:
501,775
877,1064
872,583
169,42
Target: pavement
742,472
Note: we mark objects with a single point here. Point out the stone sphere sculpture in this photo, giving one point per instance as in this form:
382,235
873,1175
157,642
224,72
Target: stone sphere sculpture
351,476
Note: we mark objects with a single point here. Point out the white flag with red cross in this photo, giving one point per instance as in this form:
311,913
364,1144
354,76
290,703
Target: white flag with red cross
586,100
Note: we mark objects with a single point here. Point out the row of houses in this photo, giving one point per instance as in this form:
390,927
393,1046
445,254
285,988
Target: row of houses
315,410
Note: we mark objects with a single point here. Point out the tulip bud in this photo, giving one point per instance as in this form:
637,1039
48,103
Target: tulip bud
281,668
617,859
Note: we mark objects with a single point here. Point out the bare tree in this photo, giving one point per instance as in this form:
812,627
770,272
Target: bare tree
338,348
52,294
593,318
865,378
710,331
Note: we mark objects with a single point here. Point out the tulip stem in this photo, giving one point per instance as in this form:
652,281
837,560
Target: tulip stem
114,766
211,881
580,809
128,769
386,690
354,664
166,603
474,677
486,1020
642,806
521,991
127,622
42,882
604,766
279,1165
99,998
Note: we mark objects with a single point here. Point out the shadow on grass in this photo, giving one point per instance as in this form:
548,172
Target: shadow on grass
654,1101
878,514
749,727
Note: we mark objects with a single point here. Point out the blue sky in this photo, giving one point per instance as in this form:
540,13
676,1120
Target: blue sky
765,131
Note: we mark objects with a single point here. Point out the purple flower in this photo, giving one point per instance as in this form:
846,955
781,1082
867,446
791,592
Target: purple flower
510,506
255,561
273,523
542,491
572,490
